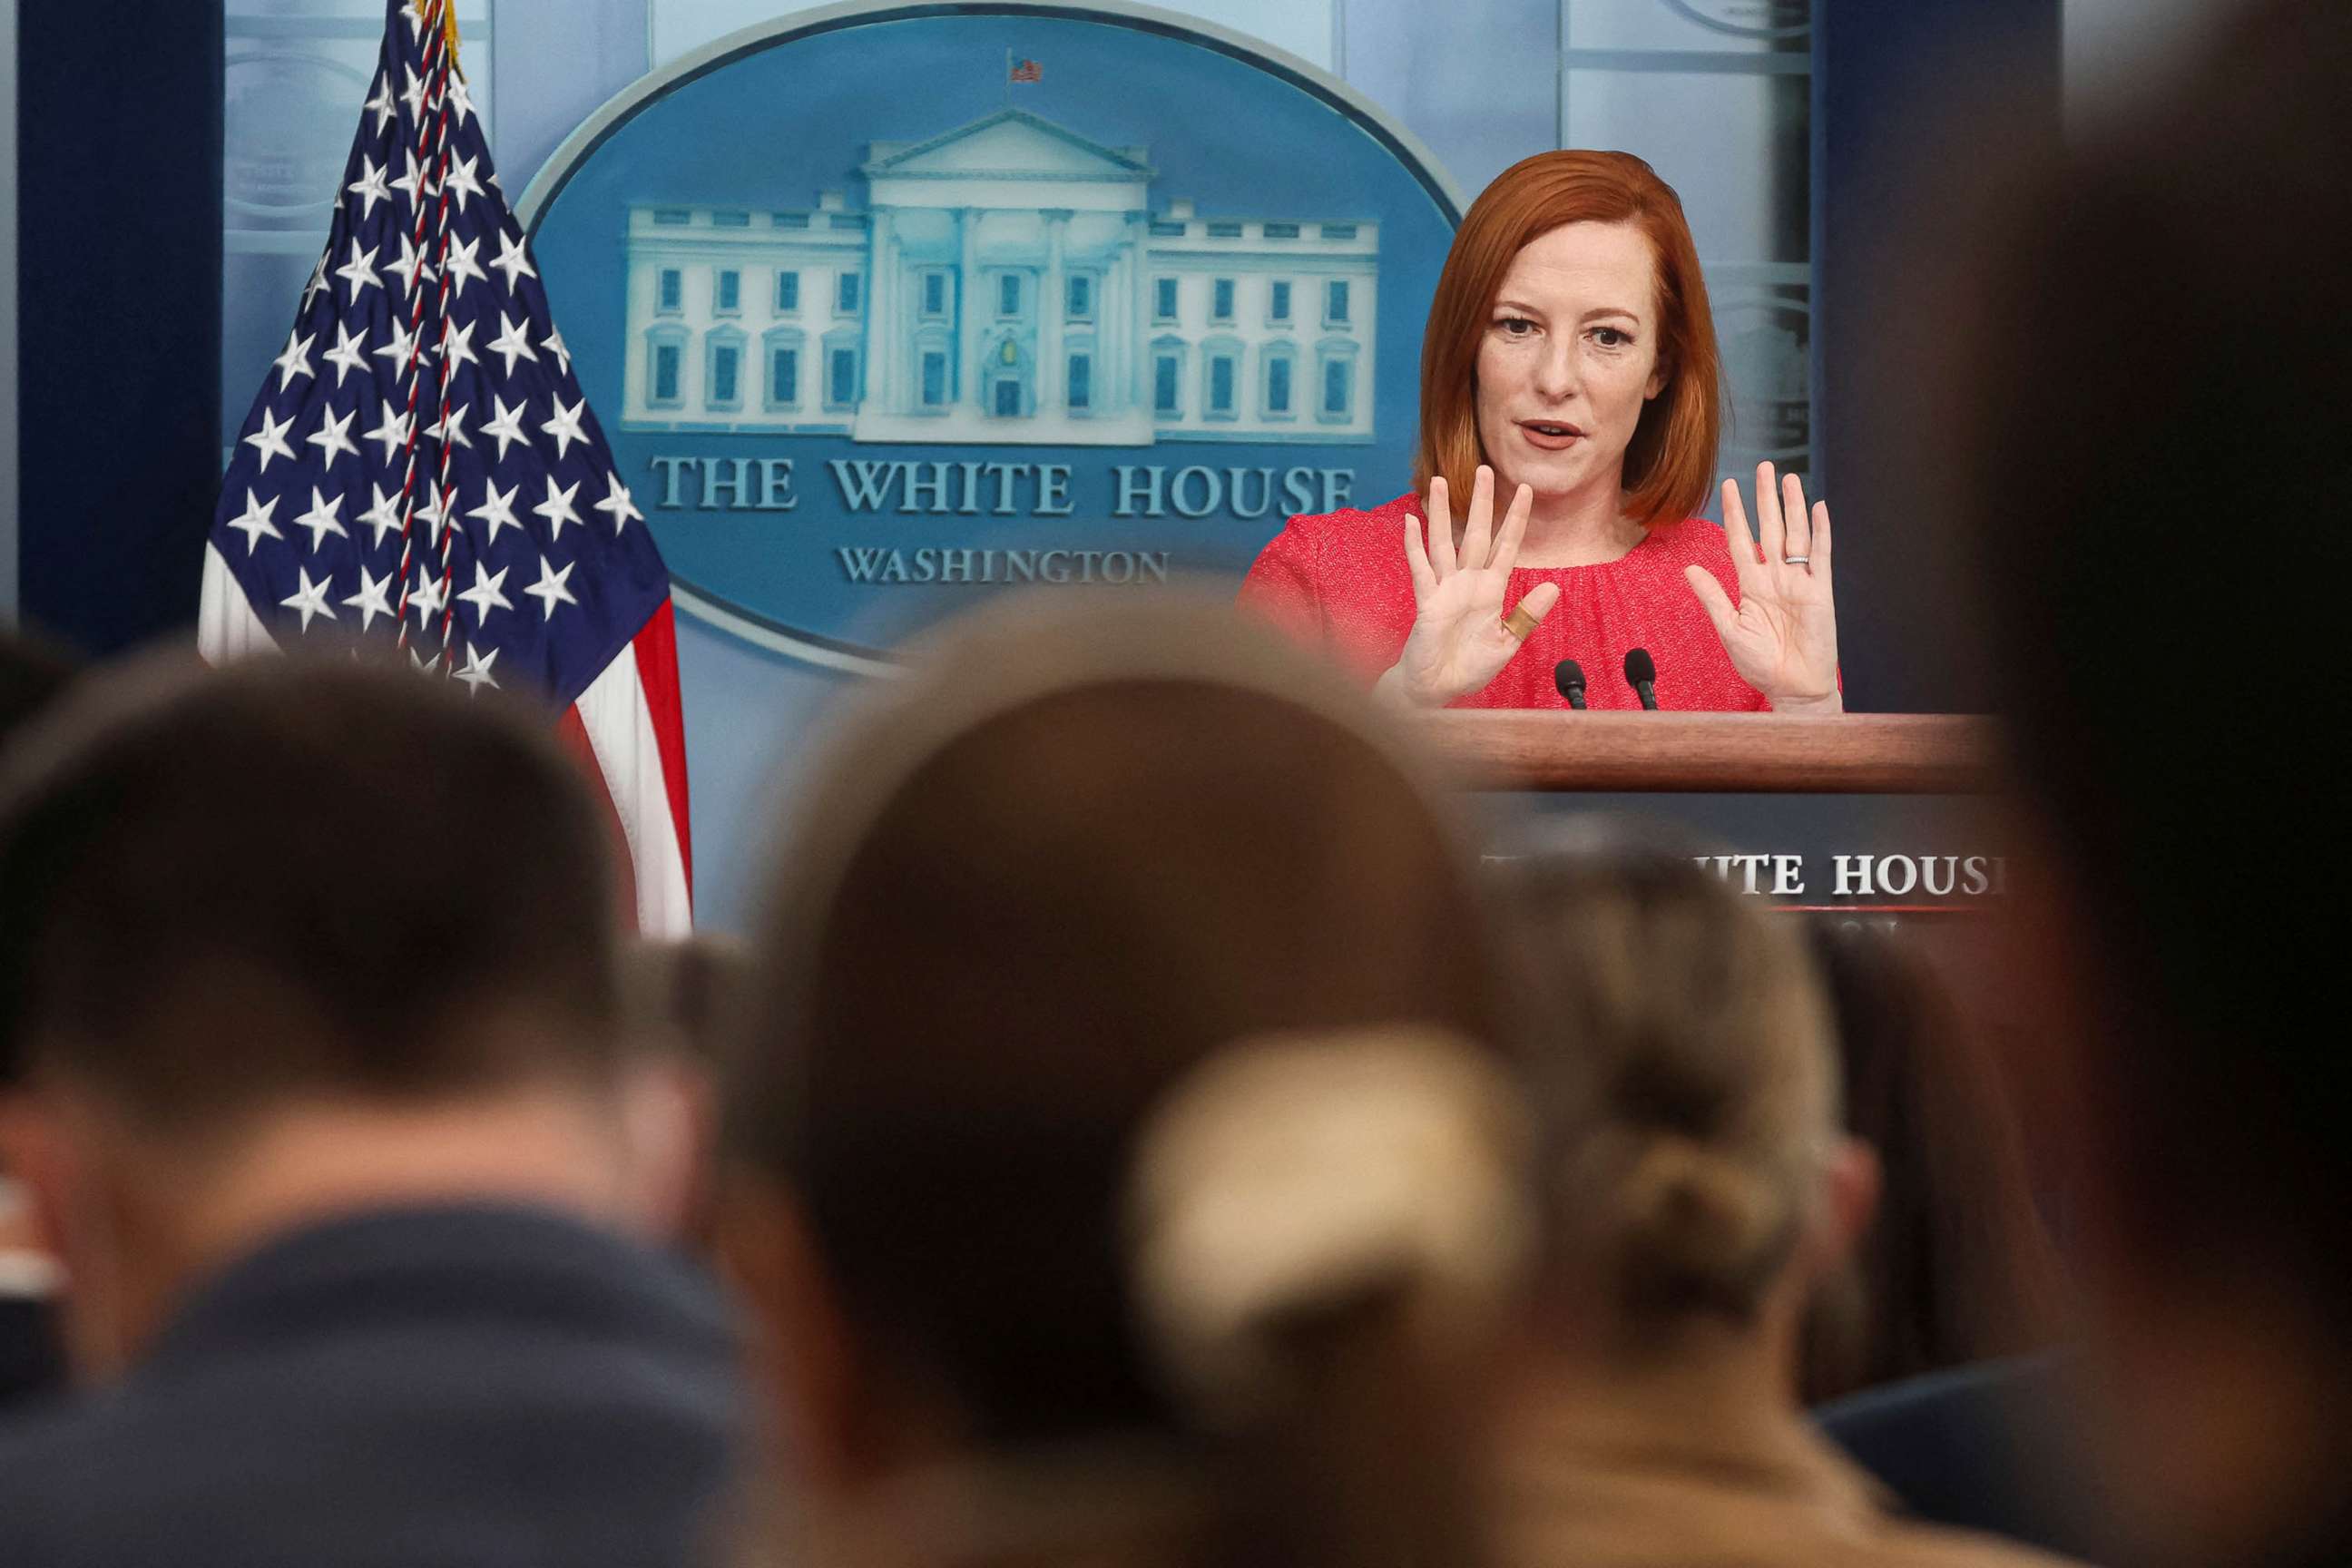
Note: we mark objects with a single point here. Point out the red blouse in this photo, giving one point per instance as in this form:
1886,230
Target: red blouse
1338,582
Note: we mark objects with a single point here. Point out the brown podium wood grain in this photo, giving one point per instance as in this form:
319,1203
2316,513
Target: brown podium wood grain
1771,753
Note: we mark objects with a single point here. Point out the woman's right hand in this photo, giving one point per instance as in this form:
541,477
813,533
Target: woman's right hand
1459,641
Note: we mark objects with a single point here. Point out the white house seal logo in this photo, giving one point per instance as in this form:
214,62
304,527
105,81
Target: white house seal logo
902,305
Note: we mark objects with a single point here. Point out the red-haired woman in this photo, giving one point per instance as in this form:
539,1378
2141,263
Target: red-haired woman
1569,360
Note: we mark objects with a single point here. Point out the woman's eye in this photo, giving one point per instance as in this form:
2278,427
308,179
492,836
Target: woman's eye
1514,326
1610,337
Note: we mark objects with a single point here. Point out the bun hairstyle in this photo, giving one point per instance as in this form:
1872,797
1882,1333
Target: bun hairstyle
1292,1179
1691,1227
1326,1231
1038,895
1685,1078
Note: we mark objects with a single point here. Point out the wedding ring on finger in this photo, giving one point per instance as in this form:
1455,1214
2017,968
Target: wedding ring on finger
1518,623
1796,560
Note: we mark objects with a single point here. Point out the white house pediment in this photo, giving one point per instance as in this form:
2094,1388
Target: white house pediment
1010,145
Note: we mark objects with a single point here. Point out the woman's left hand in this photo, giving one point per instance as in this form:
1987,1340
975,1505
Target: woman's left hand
1782,638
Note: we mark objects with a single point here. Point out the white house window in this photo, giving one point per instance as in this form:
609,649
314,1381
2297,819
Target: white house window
1224,229
1335,400
840,377
1278,399
1221,299
935,295
673,217
844,293
788,292
666,358
1282,231
1080,394
673,290
934,378
1163,299
1278,303
783,376
730,220
1168,379
1008,294
723,357
730,292
1079,304
1335,302
1221,372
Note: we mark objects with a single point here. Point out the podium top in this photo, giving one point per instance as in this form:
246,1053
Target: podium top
1846,753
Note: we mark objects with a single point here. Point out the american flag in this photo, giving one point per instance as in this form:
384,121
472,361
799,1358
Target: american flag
421,468
1026,71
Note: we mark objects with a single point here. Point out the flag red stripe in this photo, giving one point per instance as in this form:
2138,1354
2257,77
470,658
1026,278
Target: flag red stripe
657,647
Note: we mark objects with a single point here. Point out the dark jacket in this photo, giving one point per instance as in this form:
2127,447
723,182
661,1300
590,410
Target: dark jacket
1989,1447
32,1367
477,1386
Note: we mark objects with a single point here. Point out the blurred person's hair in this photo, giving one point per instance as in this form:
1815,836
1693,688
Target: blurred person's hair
2156,479
294,878
1111,1031
680,999
1683,1079
1957,1267
1670,464
681,995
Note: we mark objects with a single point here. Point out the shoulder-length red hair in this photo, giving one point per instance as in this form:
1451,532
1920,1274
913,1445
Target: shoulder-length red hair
1670,463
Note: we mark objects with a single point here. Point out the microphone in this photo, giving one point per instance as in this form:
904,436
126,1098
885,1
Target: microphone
1569,675
1642,674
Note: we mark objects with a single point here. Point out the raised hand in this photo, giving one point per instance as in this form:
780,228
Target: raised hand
1459,640
1782,638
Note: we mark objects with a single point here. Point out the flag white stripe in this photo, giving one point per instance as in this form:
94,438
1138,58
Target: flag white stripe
227,627
619,728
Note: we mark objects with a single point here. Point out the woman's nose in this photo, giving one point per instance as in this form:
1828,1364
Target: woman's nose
1556,373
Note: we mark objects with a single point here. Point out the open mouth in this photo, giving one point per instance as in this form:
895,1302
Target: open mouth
1552,432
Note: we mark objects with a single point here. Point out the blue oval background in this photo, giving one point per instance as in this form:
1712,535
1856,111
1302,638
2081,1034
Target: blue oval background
771,124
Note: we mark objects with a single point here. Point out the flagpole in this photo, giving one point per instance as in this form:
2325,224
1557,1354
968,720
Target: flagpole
1008,76
430,146
442,498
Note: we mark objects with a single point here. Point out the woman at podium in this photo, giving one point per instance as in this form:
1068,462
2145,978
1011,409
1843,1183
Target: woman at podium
1570,362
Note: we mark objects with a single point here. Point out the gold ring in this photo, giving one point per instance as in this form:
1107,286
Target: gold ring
1518,623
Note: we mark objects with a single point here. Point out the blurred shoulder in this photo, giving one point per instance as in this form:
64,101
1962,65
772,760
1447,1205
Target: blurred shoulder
1923,1546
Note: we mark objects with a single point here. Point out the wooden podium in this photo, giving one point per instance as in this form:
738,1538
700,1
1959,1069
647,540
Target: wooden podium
1881,816
1759,754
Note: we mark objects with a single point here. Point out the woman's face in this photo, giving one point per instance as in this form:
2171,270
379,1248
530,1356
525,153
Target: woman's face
1568,356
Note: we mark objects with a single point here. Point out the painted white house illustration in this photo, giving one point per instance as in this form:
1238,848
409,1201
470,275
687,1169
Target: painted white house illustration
1007,282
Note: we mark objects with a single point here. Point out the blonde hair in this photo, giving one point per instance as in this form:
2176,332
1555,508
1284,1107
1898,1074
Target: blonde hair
1685,1077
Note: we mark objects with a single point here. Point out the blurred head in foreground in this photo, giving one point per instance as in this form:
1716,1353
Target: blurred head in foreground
2162,471
1686,1084
679,999
1957,1268
287,941
1698,1191
1119,1169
